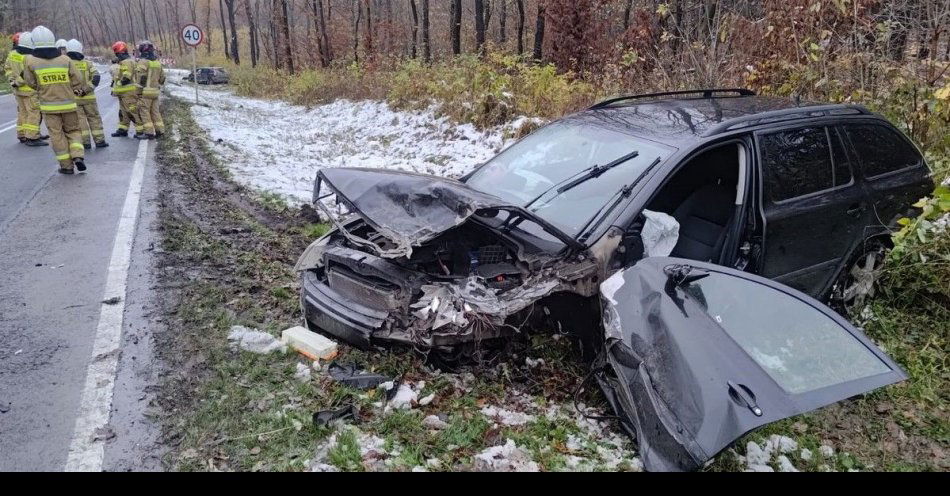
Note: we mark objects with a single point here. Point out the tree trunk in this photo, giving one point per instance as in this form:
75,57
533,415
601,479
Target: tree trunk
208,25
415,28
480,26
455,28
224,30
235,51
284,27
426,40
357,16
539,33
520,4
252,31
502,21
626,14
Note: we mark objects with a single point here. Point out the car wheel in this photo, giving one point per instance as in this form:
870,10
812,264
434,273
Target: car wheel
857,283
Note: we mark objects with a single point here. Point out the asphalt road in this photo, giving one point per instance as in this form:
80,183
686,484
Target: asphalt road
74,371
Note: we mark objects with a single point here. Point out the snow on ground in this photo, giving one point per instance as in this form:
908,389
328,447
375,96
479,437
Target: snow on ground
277,147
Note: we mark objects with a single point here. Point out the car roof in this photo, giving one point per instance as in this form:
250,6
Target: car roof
679,121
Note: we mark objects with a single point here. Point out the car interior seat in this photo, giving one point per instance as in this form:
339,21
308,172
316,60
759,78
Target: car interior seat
704,219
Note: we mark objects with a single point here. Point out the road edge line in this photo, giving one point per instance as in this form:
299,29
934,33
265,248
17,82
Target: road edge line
87,448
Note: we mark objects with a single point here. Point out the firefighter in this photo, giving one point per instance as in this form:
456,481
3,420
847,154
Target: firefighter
125,119
28,113
89,119
149,78
124,88
61,45
57,82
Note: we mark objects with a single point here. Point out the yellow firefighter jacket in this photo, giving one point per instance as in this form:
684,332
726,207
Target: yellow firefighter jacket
149,76
13,69
86,72
56,81
124,70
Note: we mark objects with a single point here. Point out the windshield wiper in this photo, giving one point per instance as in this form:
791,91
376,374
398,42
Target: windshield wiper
597,170
604,211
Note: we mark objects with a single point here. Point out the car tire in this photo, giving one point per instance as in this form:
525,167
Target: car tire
857,282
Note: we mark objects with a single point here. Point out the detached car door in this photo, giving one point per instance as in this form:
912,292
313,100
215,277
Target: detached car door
698,355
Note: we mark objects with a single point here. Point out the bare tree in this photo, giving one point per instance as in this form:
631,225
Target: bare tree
539,32
426,41
480,26
455,27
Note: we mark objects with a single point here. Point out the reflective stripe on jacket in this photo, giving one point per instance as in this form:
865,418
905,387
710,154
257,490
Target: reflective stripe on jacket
150,76
56,81
126,70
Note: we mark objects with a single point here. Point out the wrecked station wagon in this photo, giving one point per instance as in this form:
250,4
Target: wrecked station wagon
684,238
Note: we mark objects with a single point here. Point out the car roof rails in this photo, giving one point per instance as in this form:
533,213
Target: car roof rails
787,114
705,93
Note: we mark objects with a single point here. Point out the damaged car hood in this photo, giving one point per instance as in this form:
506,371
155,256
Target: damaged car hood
697,355
410,209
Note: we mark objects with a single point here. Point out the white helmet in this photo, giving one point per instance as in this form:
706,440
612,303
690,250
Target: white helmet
60,43
43,38
26,40
74,46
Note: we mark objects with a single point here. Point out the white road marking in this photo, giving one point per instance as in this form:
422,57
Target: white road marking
87,449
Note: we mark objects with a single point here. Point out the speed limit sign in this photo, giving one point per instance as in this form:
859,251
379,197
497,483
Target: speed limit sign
192,35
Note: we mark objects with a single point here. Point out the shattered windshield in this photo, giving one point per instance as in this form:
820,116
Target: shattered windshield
801,348
528,173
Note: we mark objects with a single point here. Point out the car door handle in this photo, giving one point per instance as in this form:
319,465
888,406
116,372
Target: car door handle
743,396
856,209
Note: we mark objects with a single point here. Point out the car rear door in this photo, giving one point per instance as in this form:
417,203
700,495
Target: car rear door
813,208
698,355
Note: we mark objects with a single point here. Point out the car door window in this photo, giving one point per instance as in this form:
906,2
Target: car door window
801,349
881,150
798,162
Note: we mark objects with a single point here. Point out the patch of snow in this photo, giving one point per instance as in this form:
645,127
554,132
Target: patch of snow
533,362
785,465
826,450
434,422
759,468
507,417
505,458
303,373
806,455
277,147
780,444
254,341
755,455
404,398
428,399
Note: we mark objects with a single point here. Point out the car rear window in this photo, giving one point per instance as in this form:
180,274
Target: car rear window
881,149
799,162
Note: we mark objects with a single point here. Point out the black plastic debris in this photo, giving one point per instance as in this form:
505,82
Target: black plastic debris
351,375
323,418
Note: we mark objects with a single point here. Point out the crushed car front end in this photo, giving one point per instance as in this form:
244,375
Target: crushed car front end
428,263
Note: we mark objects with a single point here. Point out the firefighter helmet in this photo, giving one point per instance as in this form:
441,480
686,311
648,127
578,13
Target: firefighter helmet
120,47
43,37
61,43
74,46
26,40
